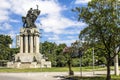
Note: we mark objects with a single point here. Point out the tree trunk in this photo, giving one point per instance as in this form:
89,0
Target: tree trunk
70,70
108,69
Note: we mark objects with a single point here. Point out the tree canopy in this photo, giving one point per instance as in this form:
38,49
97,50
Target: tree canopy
5,41
102,30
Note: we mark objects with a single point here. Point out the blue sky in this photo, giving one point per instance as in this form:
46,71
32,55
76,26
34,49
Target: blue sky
58,23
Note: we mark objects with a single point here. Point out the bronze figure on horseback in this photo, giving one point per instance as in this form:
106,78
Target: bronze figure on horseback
29,20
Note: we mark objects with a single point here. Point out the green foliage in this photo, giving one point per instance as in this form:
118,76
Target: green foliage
60,59
87,58
75,62
102,30
5,41
54,53
12,53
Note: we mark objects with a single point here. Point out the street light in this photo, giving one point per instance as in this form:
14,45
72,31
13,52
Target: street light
116,64
93,60
80,56
80,53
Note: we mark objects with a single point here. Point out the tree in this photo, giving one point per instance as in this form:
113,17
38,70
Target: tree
48,50
54,53
60,58
12,52
87,53
68,53
102,29
5,41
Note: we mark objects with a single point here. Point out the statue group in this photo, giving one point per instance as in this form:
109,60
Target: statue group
29,55
29,20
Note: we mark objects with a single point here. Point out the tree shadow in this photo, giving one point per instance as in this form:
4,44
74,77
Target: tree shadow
60,77
79,78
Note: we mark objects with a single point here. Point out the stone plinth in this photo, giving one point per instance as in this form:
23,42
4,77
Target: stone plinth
29,56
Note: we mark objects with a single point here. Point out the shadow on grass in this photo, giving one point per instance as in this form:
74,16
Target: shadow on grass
83,78
79,78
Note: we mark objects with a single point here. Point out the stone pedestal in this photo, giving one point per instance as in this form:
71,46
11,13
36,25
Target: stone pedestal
29,55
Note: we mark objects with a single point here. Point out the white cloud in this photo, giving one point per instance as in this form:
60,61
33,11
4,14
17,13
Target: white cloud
58,24
13,34
22,6
82,1
3,15
51,17
4,10
54,38
5,26
14,20
71,37
4,4
68,42
52,22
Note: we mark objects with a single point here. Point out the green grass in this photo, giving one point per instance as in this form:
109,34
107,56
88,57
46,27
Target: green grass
115,77
89,68
53,69
34,69
62,69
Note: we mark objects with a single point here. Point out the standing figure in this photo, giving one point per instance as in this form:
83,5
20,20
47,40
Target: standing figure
29,18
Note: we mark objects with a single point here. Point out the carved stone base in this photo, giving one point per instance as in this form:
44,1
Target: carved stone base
29,60
46,64
29,56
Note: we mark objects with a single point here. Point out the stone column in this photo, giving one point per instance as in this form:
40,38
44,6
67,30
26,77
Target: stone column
37,43
34,47
31,44
26,43
21,44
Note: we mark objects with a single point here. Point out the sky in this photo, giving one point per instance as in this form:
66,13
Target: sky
56,22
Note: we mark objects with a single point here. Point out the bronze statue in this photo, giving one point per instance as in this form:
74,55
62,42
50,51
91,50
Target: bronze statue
29,20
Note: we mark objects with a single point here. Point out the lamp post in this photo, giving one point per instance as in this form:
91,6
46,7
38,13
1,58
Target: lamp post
78,53
93,60
80,57
116,64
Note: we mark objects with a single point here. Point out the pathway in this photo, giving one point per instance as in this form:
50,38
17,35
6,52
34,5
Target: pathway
44,75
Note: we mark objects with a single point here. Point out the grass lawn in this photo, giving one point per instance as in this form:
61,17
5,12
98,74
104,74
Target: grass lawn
53,69
62,69
88,68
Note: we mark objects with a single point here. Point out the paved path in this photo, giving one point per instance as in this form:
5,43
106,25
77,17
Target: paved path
43,75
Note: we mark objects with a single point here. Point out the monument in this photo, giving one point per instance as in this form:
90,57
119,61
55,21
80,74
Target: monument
29,55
